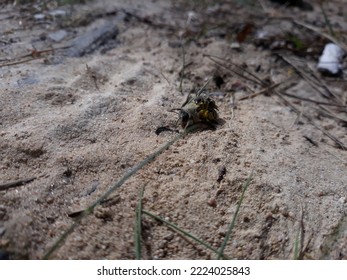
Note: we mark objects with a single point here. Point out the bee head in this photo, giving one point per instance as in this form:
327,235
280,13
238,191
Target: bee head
198,100
184,117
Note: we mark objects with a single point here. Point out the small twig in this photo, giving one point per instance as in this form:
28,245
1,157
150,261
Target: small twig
93,76
165,77
33,56
19,62
36,53
309,139
265,90
16,183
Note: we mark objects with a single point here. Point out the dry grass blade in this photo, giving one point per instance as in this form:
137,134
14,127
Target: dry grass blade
265,90
315,84
309,119
183,67
233,222
326,19
313,101
185,233
258,81
16,183
325,112
203,87
325,35
254,78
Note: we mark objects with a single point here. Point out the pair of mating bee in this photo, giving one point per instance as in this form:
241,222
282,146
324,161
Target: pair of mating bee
199,108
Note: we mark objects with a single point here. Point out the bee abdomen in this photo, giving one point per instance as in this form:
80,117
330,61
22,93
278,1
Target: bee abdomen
208,115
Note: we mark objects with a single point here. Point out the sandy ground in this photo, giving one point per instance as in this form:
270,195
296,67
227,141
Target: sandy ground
78,123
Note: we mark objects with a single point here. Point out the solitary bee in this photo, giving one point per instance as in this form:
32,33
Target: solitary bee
198,108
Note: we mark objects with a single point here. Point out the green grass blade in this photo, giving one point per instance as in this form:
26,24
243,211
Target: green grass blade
326,19
138,226
176,228
232,224
296,245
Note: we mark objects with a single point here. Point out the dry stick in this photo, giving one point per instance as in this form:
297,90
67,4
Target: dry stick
115,186
16,183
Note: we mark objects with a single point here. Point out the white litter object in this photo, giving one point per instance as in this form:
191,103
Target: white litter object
329,62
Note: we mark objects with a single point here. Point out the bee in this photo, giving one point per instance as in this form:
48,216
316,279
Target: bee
198,108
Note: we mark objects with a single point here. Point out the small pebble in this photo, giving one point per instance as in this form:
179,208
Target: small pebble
212,202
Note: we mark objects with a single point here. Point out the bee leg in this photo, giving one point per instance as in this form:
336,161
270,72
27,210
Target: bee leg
211,124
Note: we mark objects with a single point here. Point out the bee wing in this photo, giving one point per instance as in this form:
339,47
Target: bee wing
203,87
189,98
